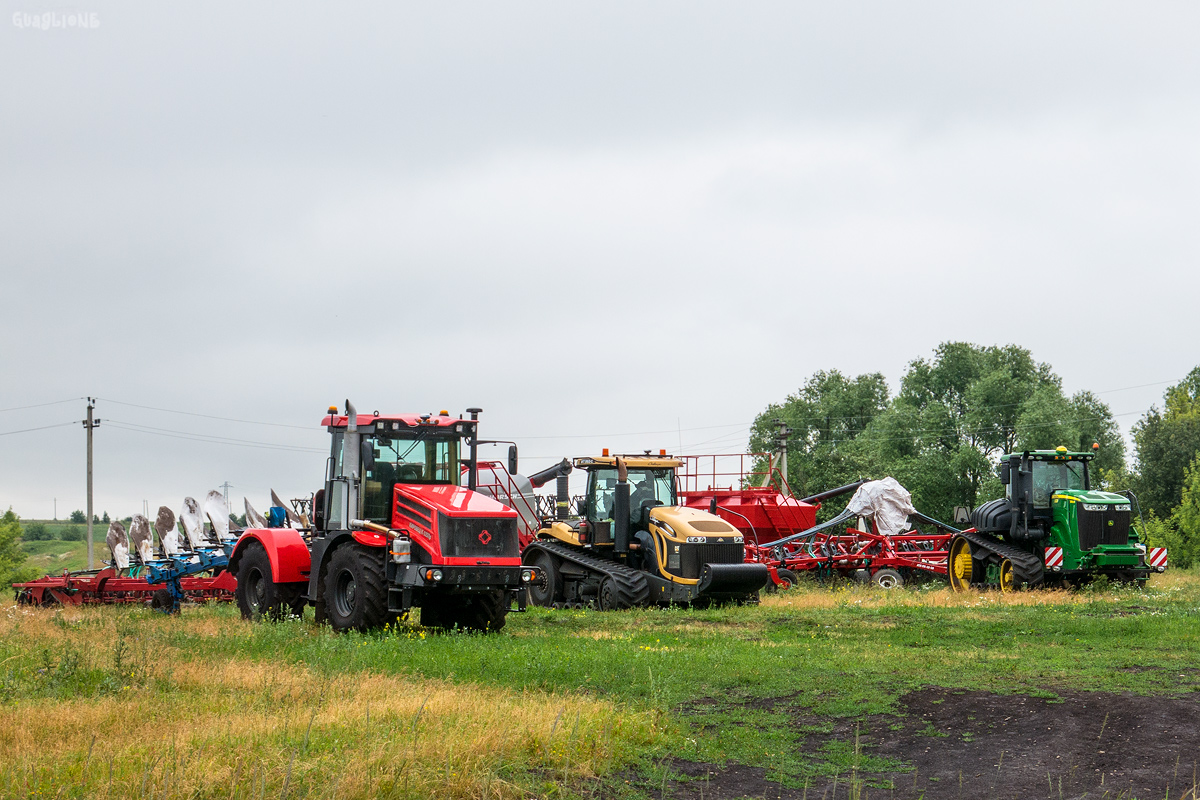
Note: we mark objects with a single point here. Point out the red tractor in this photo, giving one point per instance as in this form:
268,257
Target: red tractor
391,530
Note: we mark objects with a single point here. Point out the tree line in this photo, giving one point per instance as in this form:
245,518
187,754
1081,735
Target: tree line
956,412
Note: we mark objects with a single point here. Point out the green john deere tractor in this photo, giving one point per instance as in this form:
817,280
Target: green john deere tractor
1050,529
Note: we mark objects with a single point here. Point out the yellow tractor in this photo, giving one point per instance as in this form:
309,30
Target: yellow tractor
632,544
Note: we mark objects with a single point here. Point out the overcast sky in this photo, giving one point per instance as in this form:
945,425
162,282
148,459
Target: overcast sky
630,225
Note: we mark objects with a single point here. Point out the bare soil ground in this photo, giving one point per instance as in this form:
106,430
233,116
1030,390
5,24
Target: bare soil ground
969,745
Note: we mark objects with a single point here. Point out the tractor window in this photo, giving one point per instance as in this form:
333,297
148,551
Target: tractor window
644,484
1052,476
416,460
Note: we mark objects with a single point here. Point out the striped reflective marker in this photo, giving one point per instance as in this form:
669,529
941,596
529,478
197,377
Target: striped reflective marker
1054,556
1157,557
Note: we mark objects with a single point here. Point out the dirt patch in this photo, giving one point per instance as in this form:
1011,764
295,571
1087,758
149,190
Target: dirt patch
967,745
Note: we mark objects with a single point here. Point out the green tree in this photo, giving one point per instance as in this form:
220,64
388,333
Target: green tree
35,532
1184,551
1166,442
78,516
104,519
12,557
826,415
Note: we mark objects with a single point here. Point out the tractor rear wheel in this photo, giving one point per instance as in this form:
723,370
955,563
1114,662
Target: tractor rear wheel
257,593
960,565
545,590
356,589
888,579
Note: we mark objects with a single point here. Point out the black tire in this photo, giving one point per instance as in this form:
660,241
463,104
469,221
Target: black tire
161,600
356,589
485,612
607,596
257,593
888,579
787,579
547,589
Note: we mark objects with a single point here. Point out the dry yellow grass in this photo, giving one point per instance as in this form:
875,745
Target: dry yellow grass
201,727
816,598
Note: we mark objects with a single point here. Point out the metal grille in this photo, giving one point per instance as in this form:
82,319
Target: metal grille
1102,527
695,556
474,536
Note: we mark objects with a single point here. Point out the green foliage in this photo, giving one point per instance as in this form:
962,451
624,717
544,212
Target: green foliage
78,516
942,434
36,532
12,557
826,415
104,519
1166,443
73,533
1184,545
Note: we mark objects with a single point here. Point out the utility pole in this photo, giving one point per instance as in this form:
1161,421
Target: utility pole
56,509
90,424
226,486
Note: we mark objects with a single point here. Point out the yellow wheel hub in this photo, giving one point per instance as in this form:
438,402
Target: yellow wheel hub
1006,576
961,566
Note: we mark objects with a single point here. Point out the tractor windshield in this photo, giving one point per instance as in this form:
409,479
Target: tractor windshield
1052,476
646,485
417,459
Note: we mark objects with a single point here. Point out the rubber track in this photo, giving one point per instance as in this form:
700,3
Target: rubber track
1027,568
632,589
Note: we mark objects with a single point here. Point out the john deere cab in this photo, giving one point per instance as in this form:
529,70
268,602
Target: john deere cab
1050,528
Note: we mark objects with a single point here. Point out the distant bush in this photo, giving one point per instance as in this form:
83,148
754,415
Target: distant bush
36,532
73,533
78,517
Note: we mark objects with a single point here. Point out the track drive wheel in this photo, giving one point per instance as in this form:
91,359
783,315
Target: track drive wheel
356,589
607,597
961,565
1006,575
888,579
257,593
546,590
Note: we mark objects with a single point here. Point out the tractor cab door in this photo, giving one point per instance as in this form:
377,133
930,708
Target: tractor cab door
1049,477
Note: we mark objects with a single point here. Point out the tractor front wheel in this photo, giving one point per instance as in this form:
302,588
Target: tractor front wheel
257,593
356,589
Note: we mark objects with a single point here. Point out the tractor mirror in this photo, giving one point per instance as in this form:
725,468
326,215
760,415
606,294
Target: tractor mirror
1005,473
368,454
512,459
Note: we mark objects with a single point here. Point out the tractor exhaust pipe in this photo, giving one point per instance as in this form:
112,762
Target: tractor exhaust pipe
562,503
621,510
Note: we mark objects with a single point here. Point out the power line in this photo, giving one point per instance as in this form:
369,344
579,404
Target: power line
41,405
42,428
208,416
222,440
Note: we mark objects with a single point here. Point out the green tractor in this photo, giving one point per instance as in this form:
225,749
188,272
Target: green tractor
1050,529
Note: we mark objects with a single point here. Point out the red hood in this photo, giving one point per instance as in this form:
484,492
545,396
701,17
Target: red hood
455,500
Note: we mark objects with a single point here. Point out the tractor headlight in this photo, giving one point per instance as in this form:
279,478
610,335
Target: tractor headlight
433,574
526,575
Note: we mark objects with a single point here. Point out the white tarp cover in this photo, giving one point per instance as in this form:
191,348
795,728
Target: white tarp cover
885,501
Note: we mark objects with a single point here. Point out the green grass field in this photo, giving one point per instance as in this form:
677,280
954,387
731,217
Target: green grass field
120,702
53,556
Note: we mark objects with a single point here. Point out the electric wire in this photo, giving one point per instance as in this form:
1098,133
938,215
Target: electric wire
42,428
43,405
206,416
201,437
